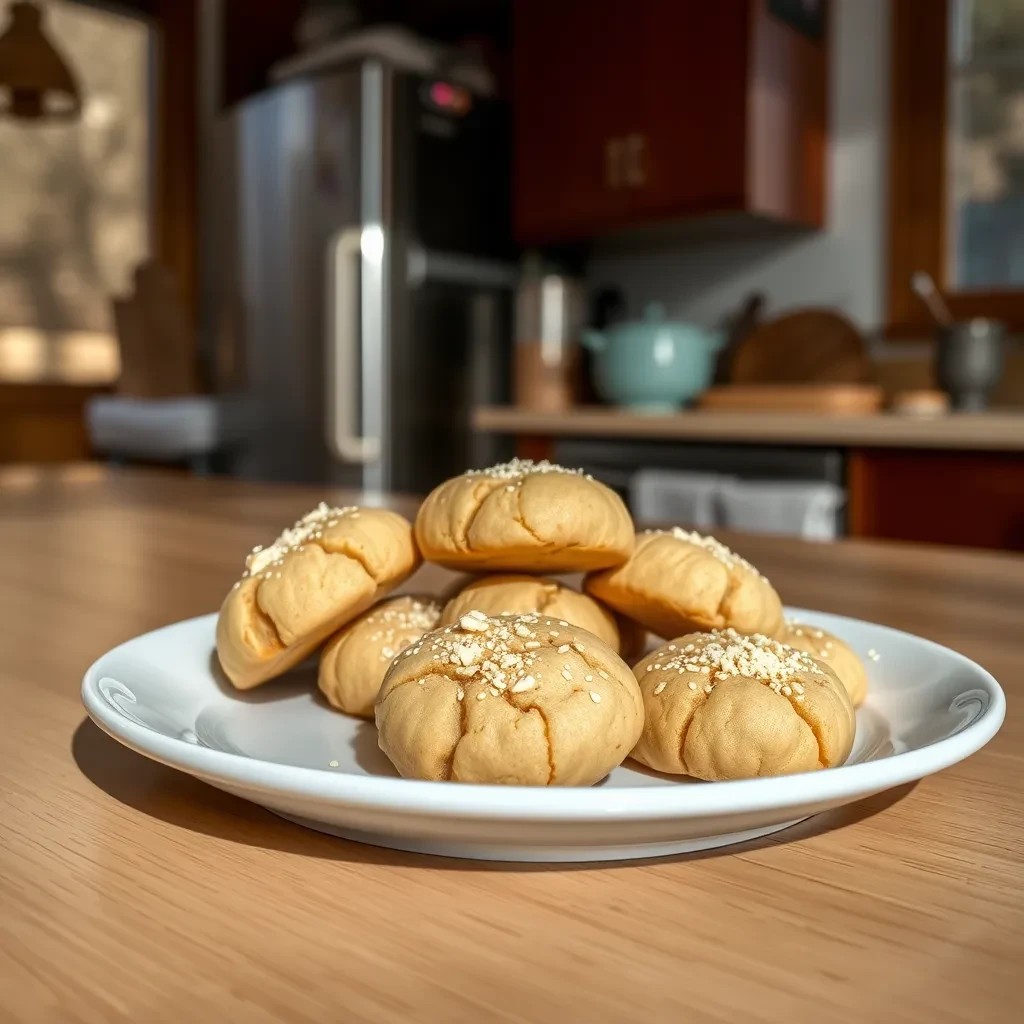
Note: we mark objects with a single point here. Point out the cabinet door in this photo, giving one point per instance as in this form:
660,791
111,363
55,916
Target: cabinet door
686,122
971,498
575,80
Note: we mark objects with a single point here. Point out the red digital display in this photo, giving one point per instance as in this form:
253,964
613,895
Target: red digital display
452,98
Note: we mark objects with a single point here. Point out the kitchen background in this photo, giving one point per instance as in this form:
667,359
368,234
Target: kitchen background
759,264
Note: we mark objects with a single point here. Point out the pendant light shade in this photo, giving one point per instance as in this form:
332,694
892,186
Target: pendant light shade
36,83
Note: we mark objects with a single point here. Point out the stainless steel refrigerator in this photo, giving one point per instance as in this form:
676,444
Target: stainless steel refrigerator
359,294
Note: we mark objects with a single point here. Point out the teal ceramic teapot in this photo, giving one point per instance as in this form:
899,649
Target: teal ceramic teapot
653,365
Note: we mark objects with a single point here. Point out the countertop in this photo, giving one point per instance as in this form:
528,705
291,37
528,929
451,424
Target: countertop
988,431
130,892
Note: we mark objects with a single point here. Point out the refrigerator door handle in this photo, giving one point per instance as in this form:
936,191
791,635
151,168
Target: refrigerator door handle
344,257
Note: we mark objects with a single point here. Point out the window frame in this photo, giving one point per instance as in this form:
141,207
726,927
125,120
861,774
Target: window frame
918,208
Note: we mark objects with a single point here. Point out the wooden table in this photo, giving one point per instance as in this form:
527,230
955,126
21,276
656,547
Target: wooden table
129,892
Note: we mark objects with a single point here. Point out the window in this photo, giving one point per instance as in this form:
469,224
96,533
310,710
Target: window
74,205
985,244
957,158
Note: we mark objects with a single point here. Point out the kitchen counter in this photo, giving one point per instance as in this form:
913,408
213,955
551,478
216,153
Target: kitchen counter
132,892
989,431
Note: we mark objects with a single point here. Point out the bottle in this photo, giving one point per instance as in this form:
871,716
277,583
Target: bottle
549,308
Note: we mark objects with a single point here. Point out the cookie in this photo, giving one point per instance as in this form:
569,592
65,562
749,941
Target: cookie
524,517
331,565
510,595
509,699
722,706
353,663
837,654
677,582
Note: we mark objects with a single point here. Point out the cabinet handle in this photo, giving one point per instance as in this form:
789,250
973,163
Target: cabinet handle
636,173
613,169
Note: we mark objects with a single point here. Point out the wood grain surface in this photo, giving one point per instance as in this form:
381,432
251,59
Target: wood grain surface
130,892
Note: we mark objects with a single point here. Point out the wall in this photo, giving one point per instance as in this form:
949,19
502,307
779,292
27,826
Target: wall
843,266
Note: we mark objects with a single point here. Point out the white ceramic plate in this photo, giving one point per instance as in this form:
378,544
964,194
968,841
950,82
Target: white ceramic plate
281,746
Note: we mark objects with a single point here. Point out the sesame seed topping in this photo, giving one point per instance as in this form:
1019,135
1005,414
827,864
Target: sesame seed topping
873,654
595,696
692,685
460,694
518,468
588,678
482,695
526,683
564,649
566,674
713,547
309,527
661,686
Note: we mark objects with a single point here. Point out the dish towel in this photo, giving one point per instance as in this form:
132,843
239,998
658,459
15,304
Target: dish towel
808,509
675,496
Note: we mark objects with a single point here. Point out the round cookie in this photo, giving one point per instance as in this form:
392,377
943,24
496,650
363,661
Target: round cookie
677,581
353,663
331,565
513,595
510,699
836,653
525,517
726,706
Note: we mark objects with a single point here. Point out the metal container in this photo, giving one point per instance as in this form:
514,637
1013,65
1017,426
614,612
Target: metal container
969,361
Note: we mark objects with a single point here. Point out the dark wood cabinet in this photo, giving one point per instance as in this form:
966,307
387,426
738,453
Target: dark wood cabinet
631,113
971,498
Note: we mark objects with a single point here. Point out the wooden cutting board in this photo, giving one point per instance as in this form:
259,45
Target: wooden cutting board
810,346
825,399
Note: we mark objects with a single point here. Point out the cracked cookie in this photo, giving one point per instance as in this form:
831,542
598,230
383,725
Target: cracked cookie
509,699
355,659
836,653
516,594
525,517
721,705
331,565
677,581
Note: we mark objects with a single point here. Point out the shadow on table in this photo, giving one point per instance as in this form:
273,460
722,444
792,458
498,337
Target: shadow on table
179,799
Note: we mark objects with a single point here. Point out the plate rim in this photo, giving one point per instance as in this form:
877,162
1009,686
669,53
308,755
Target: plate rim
538,803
